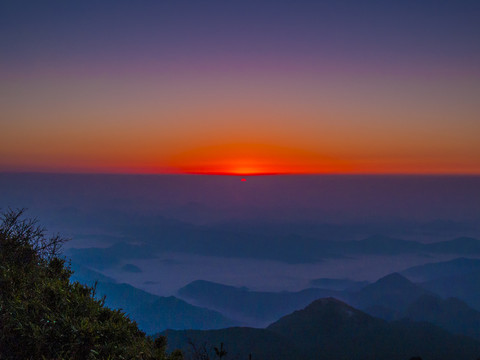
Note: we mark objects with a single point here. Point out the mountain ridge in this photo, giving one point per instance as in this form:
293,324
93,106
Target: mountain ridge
254,307
153,313
331,329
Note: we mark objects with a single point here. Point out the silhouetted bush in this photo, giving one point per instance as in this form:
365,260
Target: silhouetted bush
45,316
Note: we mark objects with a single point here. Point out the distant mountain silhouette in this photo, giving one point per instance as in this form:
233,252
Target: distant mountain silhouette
436,270
106,257
152,313
178,236
393,297
376,244
131,268
332,330
463,286
323,326
451,314
461,245
85,275
253,307
383,245
388,296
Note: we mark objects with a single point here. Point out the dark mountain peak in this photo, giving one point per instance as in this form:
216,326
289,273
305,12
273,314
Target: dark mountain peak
395,275
332,307
201,283
393,279
393,283
322,314
331,329
327,301
393,291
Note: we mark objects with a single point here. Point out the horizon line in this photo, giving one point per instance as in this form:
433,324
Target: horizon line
230,174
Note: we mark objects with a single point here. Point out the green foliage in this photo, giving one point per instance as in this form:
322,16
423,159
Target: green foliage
45,316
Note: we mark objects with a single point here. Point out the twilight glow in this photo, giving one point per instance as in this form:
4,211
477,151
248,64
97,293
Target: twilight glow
250,87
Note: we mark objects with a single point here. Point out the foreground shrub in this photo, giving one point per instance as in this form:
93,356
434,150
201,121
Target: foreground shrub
45,316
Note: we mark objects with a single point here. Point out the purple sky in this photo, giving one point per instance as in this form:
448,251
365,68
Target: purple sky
271,86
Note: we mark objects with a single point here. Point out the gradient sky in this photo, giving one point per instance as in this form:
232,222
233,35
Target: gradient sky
240,86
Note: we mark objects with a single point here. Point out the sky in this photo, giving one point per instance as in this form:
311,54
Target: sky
240,87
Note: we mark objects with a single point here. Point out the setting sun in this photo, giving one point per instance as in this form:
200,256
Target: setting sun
245,170
253,159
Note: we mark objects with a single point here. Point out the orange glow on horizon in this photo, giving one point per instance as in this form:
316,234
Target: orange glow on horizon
135,169
254,159
243,159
